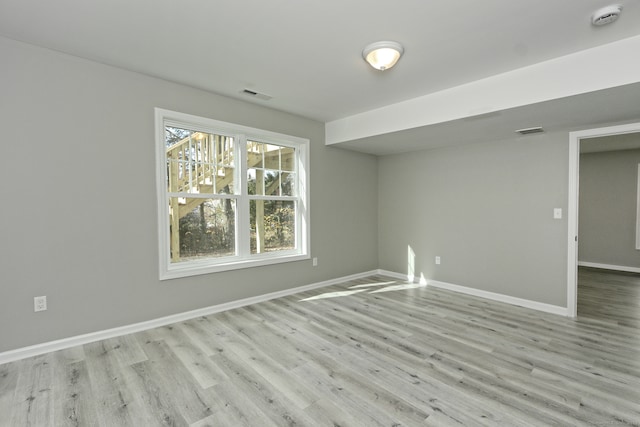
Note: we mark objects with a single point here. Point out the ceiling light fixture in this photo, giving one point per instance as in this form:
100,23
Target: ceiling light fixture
382,55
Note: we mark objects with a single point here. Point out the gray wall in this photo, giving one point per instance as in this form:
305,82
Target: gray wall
79,220
607,211
486,210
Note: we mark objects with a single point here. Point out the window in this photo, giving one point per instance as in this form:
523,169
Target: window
229,196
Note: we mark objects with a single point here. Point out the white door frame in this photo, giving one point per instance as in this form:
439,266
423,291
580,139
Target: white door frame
572,209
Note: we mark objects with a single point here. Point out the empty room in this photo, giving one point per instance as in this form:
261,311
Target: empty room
287,213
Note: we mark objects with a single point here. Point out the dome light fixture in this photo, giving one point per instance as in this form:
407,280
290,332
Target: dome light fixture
382,55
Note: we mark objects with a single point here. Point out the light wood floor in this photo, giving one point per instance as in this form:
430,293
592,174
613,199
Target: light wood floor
364,353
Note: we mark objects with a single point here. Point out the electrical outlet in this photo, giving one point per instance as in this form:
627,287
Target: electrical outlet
315,261
40,303
437,260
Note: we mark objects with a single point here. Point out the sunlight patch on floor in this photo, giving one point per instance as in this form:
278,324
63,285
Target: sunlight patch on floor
333,295
366,285
399,287
371,288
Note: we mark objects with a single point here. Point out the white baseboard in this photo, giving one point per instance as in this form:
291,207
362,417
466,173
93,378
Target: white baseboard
547,308
609,266
35,350
393,274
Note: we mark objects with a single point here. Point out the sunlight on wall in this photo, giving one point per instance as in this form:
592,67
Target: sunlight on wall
411,267
411,263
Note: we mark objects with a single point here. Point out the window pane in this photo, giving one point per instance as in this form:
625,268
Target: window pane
225,180
277,183
199,162
272,183
272,225
255,182
254,154
271,156
287,159
204,228
266,164
288,184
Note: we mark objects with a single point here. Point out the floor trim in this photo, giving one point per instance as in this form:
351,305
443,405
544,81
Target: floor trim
37,349
395,275
547,308
609,267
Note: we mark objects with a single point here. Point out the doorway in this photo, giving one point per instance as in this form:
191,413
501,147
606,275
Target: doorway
572,208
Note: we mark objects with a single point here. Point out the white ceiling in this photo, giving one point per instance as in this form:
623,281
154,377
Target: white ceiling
590,110
307,54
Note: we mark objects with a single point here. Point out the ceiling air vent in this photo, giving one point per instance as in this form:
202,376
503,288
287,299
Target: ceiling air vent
529,131
255,94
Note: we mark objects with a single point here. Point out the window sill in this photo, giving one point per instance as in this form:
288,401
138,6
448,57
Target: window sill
197,268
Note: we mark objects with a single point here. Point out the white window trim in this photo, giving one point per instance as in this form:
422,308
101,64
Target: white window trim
245,259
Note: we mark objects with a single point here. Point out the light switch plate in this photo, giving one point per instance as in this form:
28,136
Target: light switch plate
557,213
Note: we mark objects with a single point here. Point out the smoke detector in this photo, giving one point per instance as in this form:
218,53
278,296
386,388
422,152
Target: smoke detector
606,15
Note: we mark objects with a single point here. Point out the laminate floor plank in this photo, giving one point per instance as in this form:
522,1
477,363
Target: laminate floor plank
206,333
407,383
117,403
326,413
349,311
272,371
403,383
165,372
70,355
355,330
513,377
542,405
8,383
273,404
127,350
332,359
425,384
239,408
273,344
156,399
583,373
75,406
33,398
344,396
599,401
193,358
368,352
